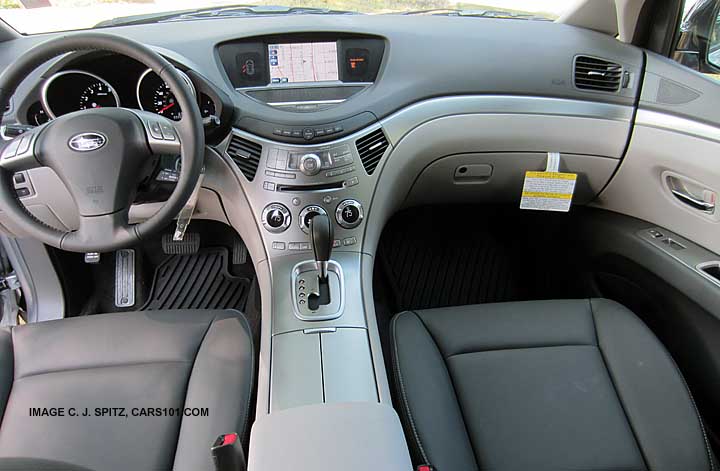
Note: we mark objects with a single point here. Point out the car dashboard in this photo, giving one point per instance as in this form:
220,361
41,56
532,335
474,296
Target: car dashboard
355,117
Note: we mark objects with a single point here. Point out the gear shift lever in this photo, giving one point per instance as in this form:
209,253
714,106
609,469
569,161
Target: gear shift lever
321,232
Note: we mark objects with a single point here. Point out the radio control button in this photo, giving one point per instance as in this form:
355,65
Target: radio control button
308,134
310,164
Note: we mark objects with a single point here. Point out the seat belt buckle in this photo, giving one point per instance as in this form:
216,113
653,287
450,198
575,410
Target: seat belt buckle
425,467
227,453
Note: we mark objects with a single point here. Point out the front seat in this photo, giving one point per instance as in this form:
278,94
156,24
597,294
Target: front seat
143,379
549,385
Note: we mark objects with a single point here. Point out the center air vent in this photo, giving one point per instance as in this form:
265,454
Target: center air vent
371,149
246,154
597,74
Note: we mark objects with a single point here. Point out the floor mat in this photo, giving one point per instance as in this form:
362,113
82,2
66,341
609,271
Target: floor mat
198,281
428,265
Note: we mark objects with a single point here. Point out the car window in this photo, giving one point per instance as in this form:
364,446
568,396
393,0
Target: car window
698,45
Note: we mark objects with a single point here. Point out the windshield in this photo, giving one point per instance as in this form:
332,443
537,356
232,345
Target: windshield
42,16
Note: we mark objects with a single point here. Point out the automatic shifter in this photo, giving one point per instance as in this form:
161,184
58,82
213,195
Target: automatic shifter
321,233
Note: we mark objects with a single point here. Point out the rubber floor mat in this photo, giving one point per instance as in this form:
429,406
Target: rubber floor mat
428,265
198,281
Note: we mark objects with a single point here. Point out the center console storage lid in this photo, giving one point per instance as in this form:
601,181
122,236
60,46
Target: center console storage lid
354,436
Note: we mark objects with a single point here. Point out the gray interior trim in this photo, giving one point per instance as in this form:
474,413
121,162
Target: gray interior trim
631,239
400,123
668,122
40,284
356,436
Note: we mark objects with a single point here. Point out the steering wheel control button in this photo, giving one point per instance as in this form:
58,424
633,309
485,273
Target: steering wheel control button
310,164
276,218
168,132
307,214
349,214
155,130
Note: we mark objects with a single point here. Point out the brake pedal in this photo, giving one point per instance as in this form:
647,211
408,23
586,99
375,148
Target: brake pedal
125,278
188,246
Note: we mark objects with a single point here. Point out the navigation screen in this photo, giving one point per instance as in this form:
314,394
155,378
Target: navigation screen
303,62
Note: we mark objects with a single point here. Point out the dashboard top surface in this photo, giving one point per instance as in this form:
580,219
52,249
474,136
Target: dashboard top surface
424,57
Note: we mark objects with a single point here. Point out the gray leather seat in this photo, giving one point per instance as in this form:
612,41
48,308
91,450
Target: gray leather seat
543,385
159,362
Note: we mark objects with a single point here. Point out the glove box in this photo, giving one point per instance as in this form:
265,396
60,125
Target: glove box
499,177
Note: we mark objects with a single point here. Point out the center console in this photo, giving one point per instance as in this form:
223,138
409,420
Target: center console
309,182
310,203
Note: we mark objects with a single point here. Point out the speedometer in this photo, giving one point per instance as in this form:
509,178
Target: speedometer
164,103
98,95
154,95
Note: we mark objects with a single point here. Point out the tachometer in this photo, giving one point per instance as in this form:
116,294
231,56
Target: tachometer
98,95
73,90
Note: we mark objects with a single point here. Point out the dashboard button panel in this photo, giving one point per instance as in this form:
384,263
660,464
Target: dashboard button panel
299,181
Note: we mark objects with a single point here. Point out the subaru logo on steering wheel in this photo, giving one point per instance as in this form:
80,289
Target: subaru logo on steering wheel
87,141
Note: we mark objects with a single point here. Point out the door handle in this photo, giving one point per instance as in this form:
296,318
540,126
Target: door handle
694,202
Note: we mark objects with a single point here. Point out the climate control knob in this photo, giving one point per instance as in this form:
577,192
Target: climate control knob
310,164
307,214
349,214
276,218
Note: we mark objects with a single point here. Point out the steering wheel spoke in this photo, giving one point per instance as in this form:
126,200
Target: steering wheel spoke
162,135
18,154
101,154
92,229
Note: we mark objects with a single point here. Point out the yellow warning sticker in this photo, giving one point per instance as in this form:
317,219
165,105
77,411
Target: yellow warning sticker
548,191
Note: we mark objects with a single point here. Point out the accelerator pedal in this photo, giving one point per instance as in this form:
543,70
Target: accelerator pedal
188,246
240,253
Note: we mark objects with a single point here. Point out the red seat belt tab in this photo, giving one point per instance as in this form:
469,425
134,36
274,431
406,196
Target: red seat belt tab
227,453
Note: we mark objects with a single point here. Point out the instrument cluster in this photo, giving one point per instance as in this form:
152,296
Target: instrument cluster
74,90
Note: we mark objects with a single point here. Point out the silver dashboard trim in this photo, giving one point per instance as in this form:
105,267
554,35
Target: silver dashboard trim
290,86
401,122
668,122
51,79
309,102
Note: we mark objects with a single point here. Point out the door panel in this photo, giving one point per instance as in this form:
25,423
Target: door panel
670,174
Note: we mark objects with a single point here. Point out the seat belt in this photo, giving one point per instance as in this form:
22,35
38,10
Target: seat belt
227,453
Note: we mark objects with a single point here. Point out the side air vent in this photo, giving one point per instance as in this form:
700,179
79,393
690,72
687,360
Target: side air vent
246,155
371,149
597,74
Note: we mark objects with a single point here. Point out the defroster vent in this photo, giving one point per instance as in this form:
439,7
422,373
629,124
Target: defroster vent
371,149
246,154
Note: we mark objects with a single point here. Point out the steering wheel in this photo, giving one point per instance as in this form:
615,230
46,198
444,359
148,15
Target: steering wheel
101,155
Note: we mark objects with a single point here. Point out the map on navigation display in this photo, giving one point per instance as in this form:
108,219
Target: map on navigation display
303,62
